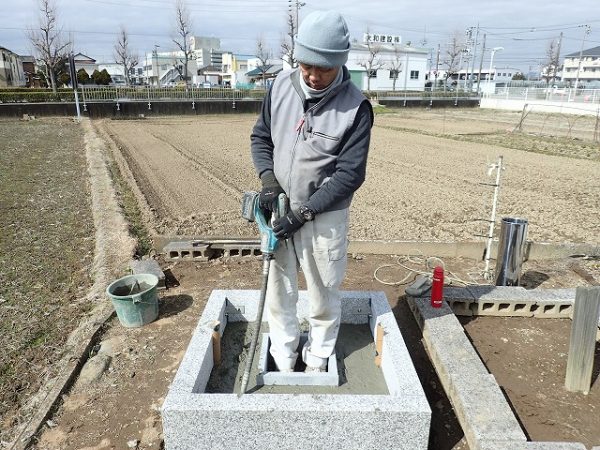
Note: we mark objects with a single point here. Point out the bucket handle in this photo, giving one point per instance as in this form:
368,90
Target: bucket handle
136,298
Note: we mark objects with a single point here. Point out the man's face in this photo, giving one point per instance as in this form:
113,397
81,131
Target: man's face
318,77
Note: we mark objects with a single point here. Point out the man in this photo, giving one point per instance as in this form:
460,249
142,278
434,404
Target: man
311,141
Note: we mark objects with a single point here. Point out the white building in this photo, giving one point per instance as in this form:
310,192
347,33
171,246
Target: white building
406,64
589,72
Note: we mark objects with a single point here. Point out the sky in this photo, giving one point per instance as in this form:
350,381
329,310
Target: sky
523,28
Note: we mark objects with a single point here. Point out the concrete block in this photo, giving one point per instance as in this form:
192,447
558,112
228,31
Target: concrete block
193,419
148,266
274,377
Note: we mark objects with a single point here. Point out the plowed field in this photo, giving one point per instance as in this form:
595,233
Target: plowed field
426,178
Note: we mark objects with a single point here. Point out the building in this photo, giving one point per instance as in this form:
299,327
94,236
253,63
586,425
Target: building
395,66
30,72
235,68
11,69
586,74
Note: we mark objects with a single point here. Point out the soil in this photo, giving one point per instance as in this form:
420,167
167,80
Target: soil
192,172
124,404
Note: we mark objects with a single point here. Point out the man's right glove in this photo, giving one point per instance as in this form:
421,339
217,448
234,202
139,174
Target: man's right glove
287,225
270,191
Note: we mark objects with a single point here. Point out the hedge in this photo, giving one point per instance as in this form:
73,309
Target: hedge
37,97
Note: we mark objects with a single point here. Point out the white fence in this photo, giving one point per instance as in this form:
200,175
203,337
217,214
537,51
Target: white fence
153,93
529,94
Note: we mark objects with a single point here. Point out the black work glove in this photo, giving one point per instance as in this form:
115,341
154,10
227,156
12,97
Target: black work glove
288,224
270,191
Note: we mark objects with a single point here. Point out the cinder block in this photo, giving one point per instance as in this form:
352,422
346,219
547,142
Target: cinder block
193,419
274,377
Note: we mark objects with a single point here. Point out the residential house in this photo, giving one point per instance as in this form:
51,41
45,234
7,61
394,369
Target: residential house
586,73
11,69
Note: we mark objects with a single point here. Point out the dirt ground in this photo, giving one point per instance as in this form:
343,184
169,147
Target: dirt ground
191,172
527,356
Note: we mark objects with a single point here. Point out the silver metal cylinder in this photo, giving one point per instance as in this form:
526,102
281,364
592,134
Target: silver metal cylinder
511,251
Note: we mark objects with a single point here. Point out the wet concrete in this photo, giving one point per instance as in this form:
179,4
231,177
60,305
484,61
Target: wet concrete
355,352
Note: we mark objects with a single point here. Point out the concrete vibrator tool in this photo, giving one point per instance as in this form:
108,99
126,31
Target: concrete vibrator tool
252,212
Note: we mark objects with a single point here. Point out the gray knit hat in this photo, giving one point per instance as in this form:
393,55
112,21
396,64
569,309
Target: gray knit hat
323,40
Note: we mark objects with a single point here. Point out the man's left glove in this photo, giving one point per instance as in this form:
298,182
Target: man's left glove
287,225
270,192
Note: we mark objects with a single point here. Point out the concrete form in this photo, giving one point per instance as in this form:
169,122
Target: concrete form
481,408
195,420
265,377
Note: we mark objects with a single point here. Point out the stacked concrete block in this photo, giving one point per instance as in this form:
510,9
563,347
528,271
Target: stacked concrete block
510,301
193,419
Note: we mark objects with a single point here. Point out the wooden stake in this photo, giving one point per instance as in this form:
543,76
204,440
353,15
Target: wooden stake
378,344
580,363
216,341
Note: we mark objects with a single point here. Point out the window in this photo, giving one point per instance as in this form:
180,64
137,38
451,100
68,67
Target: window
394,74
140,71
414,74
372,73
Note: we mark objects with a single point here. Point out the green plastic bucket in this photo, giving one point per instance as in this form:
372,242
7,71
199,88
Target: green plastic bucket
135,299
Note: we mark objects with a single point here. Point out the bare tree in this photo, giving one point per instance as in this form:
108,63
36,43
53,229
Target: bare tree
552,61
47,41
451,59
123,54
183,27
263,54
372,61
288,47
395,65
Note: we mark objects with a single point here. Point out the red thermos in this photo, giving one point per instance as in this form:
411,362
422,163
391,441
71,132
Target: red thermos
437,287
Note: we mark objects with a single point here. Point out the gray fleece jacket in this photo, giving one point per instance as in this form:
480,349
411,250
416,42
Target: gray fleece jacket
316,149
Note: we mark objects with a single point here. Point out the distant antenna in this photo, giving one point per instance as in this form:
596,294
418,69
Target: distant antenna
424,40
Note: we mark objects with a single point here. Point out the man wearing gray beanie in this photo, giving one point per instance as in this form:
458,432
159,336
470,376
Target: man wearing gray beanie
311,141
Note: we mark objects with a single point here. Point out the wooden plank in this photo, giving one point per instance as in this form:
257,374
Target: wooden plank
582,346
378,344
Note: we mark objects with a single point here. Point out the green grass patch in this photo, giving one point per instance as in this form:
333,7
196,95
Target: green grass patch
131,211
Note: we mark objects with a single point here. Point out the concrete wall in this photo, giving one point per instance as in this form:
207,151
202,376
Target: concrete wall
130,109
541,106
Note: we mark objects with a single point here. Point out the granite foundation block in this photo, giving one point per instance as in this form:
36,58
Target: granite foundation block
193,419
480,405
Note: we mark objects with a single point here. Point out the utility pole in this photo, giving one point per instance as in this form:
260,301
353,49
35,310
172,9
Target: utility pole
474,57
481,64
586,30
437,66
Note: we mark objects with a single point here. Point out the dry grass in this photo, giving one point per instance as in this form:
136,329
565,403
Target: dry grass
46,248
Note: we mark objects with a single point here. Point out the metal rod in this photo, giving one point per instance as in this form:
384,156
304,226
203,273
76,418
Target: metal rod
261,306
488,249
